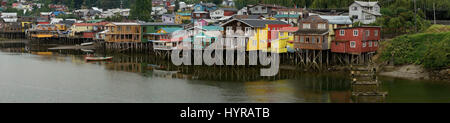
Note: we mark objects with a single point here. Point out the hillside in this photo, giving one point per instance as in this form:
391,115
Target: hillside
430,49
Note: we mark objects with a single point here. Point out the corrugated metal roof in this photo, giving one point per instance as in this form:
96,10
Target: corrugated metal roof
312,31
287,16
337,19
159,24
261,23
362,3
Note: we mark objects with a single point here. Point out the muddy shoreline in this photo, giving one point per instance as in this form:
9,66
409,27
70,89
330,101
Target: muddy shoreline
415,72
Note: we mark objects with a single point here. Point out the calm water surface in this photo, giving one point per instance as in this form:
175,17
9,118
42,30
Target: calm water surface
61,77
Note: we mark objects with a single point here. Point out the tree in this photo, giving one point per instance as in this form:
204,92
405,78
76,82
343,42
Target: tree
177,5
141,10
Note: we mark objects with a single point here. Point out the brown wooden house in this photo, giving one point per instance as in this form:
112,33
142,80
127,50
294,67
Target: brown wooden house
123,32
312,34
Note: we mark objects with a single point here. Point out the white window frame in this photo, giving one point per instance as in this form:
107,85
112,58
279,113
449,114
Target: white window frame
342,32
302,39
376,32
322,26
364,44
229,29
306,26
375,43
370,43
354,44
248,30
355,32
367,33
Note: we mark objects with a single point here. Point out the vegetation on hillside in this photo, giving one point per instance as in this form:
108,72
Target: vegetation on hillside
141,10
430,48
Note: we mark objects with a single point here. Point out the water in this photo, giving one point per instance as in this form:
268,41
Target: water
64,77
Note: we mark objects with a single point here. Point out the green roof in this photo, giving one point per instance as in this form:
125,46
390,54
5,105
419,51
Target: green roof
287,16
213,28
95,21
171,30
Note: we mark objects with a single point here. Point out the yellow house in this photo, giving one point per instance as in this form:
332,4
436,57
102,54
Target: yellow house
180,17
285,42
256,32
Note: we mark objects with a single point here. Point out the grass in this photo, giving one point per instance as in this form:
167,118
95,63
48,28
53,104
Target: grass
430,48
437,29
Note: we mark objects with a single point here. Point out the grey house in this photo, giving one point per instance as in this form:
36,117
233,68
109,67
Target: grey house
365,12
264,9
168,18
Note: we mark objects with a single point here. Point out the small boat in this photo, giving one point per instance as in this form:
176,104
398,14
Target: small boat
87,44
85,50
98,58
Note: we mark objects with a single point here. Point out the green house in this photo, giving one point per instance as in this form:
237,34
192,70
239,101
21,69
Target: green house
151,28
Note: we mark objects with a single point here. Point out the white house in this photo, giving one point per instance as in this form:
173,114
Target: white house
228,3
364,12
222,13
9,17
243,11
158,11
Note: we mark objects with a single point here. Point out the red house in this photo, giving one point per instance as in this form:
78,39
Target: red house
356,40
274,27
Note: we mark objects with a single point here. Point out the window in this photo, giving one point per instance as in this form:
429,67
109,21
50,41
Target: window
319,40
229,29
376,32
197,15
321,26
355,32
367,33
337,43
302,39
375,43
355,8
248,30
313,40
352,44
307,40
355,17
306,26
342,32
364,44
370,43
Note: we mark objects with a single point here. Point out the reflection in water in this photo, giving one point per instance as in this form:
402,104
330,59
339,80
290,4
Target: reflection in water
145,78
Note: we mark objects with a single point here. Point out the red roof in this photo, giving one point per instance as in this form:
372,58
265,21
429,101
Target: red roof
90,24
289,29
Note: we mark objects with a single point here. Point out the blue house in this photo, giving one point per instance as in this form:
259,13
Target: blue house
205,7
56,13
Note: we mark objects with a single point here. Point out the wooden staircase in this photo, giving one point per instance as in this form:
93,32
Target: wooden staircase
365,85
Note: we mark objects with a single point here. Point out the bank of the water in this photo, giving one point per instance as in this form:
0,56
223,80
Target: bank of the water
424,55
415,72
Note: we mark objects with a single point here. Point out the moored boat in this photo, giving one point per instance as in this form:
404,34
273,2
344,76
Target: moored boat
98,58
87,44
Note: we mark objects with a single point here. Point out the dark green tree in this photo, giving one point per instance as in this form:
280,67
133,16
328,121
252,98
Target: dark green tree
141,10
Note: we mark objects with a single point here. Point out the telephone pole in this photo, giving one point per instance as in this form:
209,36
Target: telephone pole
415,16
434,11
